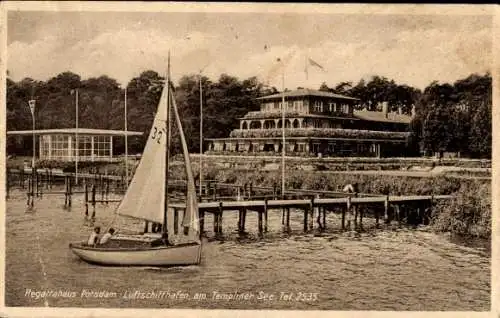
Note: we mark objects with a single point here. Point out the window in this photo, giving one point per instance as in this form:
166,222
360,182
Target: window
316,147
345,108
331,148
102,146
318,106
330,107
44,147
60,147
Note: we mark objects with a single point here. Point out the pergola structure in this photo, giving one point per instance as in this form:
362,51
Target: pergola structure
62,145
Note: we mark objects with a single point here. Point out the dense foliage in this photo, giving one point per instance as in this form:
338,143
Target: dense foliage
448,117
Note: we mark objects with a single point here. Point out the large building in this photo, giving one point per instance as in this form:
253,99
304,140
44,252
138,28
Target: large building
61,145
317,123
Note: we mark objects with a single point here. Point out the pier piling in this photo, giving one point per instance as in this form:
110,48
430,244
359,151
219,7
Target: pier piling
176,221
202,222
386,210
86,200
265,215
93,201
287,224
260,225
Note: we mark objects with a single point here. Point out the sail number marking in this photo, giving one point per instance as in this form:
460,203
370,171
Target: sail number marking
157,133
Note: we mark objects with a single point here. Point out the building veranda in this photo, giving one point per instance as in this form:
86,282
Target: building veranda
317,123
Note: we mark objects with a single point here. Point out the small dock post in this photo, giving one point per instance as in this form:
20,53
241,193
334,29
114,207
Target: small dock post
240,218
70,191
398,213
21,178
360,211
107,190
306,213
65,191
51,178
86,200
324,218
349,213
47,178
386,210
265,215
243,221
201,221
343,218
287,225
35,178
176,221
312,211
40,187
219,222
260,223
93,201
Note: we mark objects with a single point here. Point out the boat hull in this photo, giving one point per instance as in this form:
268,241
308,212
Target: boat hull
177,255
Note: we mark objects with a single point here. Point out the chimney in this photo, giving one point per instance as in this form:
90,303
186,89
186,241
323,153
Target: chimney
385,108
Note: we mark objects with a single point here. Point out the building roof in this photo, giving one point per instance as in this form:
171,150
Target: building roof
279,114
306,92
72,131
380,117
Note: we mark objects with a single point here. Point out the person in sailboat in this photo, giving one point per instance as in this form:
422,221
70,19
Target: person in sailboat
106,237
161,241
92,240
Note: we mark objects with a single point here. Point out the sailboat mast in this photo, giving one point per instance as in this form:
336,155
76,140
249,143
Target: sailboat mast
167,152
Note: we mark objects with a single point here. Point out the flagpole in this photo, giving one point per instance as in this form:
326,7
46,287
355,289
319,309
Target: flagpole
167,152
126,139
201,134
283,132
76,140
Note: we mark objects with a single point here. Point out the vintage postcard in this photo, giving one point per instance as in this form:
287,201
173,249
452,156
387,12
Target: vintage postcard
188,159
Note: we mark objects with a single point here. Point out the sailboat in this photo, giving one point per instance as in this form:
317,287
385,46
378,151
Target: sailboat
146,199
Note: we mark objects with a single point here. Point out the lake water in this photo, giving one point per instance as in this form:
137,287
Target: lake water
389,269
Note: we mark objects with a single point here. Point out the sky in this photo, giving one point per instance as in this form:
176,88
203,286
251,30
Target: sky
412,49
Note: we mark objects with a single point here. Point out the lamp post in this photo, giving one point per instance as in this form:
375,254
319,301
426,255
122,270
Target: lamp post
31,104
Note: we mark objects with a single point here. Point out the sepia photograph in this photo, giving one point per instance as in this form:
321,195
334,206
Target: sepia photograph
251,157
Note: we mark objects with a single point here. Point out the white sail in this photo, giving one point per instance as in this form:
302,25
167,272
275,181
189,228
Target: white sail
145,196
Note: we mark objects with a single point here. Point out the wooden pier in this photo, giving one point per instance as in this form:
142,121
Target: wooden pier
352,215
